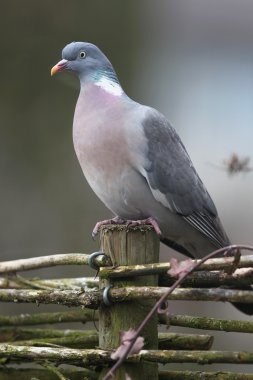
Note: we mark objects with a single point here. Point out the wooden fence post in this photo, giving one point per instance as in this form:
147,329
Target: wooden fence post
129,246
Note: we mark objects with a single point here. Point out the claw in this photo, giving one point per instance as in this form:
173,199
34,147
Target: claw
118,220
155,225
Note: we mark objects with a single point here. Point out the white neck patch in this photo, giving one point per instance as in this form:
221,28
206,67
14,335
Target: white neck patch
109,86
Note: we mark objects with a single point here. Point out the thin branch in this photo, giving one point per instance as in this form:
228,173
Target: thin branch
83,316
92,357
89,339
135,293
176,341
80,374
43,374
47,337
54,370
103,261
241,277
93,299
207,323
212,264
50,261
19,333
200,375
88,315
14,282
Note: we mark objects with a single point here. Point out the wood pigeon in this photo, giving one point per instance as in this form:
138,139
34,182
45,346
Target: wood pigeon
134,159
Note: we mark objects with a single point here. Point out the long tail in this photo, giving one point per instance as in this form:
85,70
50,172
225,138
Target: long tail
245,308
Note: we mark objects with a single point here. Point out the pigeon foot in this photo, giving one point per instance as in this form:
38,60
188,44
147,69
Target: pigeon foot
118,220
149,220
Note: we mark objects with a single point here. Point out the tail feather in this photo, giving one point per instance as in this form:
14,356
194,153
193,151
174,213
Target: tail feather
245,308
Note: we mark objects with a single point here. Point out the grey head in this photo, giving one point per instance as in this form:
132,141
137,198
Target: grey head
86,60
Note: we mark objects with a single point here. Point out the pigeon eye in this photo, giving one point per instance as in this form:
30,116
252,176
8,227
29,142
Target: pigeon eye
82,54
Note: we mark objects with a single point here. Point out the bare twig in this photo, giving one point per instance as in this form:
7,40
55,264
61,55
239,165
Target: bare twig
50,261
212,264
43,374
81,374
241,277
54,370
53,337
207,323
91,358
90,299
87,315
89,339
93,299
83,316
14,282
200,375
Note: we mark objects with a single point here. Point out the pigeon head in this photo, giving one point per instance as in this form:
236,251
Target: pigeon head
86,60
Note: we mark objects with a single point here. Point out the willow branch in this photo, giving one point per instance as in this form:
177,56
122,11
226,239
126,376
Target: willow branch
17,282
47,337
50,261
93,299
207,323
197,294
73,374
10,373
88,315
92,357
103,261
175,341
53,370
83,316
241,277
89,339
200,375
213,264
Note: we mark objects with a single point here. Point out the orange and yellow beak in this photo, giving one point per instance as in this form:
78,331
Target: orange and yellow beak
59,67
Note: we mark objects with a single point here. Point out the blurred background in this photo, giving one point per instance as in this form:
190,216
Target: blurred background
190,59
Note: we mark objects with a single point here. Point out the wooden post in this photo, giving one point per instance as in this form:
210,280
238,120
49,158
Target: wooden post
129,246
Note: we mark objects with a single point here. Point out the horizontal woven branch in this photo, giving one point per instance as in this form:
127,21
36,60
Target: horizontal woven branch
89,339
80,374
50,261
241,277
18,282
13,266
246,261
93,299
201,375
88,315
92,357
205,323
83,316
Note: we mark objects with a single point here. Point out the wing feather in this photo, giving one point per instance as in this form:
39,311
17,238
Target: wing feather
174,181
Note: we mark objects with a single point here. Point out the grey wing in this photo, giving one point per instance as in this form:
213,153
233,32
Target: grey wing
174,181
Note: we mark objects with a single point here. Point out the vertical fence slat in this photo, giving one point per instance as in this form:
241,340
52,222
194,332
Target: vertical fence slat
129,246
